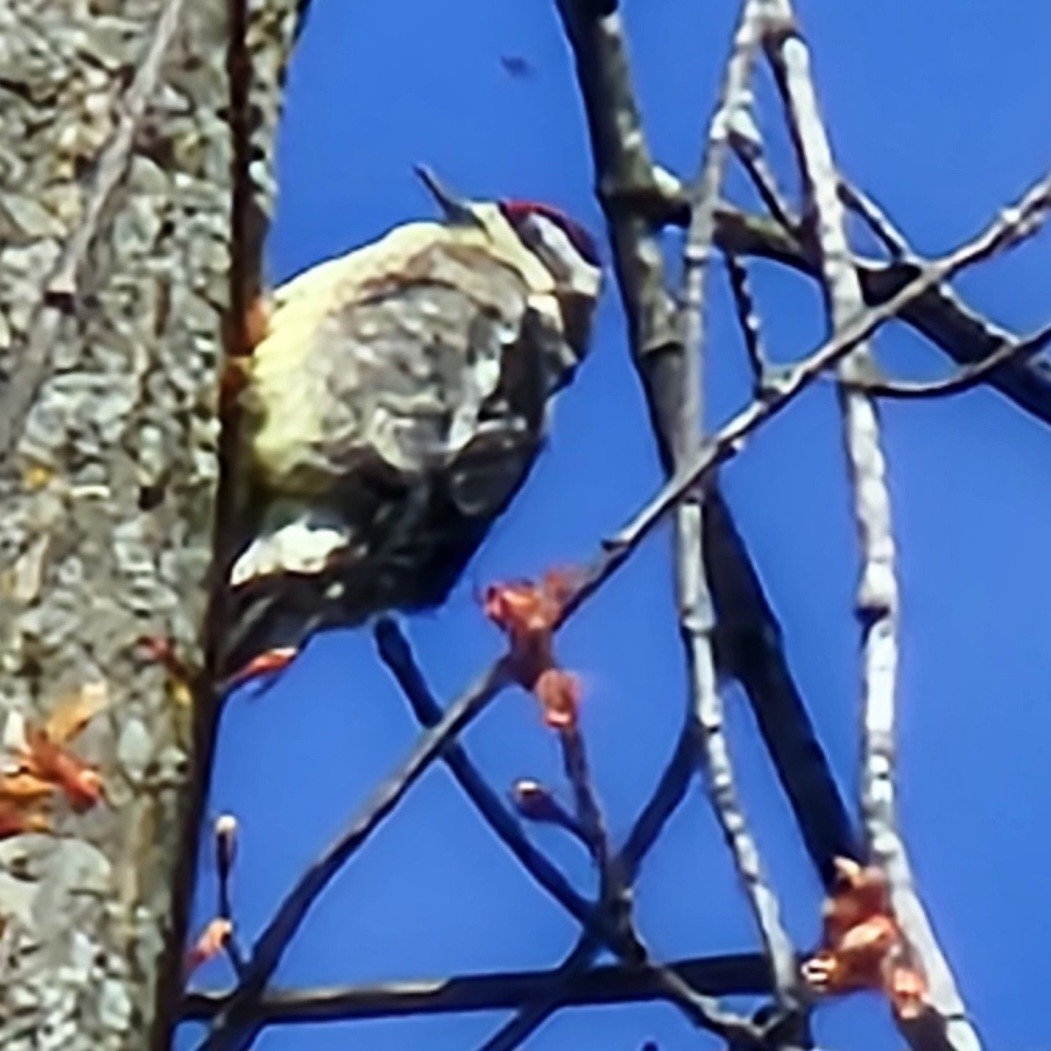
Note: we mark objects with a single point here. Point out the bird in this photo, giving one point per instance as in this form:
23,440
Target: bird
391,404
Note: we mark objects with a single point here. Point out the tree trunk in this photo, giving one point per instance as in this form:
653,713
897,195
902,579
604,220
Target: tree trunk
116,191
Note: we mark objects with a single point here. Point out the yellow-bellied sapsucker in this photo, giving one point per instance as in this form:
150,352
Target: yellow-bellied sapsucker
389,413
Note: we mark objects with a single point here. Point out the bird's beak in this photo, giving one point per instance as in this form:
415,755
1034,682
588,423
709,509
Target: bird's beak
456,209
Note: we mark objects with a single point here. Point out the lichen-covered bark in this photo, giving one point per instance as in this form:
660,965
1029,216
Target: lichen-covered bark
109,350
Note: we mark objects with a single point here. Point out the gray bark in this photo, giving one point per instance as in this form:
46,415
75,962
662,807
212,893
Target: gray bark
115,241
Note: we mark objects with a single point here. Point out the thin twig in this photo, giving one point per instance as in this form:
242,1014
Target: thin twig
697,619
748,320
62,284
234,1025
224,839
878,593
966,379
749,151
1015,350
876,220
939,314
614,898
748,635
742,974
396,653
722,791
750,648
588,810
665,800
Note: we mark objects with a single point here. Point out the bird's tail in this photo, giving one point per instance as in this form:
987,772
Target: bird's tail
310,567
282,587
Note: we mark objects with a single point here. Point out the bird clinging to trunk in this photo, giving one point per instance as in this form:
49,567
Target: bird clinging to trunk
390,410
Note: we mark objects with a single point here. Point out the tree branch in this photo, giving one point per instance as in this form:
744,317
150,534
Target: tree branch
747,320
938,314
966,379
396,653
614,905
696,616
1012,351
628,184
667,796
876,219
878,591
741,974
234,1025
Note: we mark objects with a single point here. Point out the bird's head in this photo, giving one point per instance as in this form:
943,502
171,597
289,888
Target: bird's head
563,247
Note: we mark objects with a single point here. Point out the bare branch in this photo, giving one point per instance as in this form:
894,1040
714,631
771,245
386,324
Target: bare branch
396,653
588,810
876,220
878,592
749,151
964,380
634,195
750,647
741,974
615,898
701,232
235,1025
748,320
665,800
718,765
938,314
614,895
697,619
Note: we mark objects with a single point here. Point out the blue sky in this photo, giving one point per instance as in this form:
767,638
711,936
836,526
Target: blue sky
938,108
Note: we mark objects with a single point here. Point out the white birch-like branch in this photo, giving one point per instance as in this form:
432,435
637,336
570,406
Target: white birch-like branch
878,600
697,617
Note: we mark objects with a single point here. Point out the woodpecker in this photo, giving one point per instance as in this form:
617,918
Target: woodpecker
391,407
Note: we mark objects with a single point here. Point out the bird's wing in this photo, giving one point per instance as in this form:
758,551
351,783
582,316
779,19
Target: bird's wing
400,363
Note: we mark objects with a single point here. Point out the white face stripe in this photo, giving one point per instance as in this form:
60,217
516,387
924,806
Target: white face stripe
558,253
503,239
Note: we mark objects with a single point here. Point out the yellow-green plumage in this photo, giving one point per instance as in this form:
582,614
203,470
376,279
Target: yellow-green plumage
395,405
